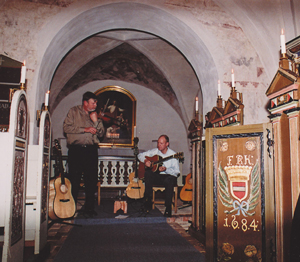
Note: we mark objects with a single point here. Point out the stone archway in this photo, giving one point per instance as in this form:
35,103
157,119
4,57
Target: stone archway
133,16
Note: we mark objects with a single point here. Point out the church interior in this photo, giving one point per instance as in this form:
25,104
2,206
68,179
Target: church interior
220,78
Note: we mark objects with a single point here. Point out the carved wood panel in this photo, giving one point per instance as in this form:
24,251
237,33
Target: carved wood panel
19,172
45,170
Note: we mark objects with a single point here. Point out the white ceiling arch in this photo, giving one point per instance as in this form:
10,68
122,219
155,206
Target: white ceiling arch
132,16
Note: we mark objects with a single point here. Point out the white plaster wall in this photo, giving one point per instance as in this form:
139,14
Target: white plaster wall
213,37
177,71
189,43
154,117
262,22
133,16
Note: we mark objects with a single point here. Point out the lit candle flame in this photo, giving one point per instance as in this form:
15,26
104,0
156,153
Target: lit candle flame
282,42
47,98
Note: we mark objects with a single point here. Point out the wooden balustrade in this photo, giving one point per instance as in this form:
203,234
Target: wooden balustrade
113,171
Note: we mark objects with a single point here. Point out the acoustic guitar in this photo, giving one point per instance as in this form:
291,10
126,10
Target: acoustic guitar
61,202
186,193
156,162
136,187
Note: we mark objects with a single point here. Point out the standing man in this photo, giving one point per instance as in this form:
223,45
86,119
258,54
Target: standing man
82,128
167,173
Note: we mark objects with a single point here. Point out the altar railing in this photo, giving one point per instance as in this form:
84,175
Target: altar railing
113,171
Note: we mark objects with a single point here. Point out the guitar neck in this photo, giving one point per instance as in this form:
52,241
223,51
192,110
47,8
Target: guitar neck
163,159
61,168
136,152
60,161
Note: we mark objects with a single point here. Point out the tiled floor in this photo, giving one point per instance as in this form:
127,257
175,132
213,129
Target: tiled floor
58,233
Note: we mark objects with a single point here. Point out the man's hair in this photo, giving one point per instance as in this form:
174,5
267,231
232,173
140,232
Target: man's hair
88,95
166,137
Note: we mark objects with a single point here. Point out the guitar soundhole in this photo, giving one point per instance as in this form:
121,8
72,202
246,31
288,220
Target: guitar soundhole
63,189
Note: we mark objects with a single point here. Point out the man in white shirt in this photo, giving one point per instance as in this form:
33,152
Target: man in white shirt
166,174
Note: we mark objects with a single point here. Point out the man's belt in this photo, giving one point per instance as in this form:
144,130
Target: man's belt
79,146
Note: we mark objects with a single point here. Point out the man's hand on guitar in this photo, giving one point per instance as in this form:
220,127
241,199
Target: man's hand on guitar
162,168
147,163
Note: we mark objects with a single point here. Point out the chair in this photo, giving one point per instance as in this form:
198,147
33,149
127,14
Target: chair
98,195
156,188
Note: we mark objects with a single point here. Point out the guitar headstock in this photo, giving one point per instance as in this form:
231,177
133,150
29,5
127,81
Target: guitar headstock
179,156
136,149
58,159
57,145
136,141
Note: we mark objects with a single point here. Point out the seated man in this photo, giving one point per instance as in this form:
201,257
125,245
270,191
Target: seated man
165,175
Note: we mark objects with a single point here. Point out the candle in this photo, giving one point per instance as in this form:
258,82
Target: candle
196,103
47,98
219,88
232,78
134,131
23,73
282,42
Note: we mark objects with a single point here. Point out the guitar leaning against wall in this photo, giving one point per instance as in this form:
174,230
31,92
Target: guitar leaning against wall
186,193
61,202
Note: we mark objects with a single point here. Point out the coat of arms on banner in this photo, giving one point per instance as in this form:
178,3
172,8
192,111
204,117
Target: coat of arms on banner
239,188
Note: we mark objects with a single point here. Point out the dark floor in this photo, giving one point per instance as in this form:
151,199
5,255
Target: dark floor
58,233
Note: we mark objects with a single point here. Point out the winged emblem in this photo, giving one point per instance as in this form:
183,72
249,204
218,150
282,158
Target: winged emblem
233,191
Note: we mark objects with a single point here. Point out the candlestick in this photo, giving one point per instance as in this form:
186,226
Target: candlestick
232,78
219,88
47,98
23,73
196,103
282,42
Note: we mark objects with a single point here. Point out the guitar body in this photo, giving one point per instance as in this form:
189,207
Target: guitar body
154,168
136,187
186,193
156,162
61,202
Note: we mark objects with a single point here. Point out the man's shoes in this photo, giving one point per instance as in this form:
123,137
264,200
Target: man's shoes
80,211
148,205
168,212
91,213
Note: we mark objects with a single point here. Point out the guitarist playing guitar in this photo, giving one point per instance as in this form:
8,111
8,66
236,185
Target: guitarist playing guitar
165,174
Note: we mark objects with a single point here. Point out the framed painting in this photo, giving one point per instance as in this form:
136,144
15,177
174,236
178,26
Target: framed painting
117,109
